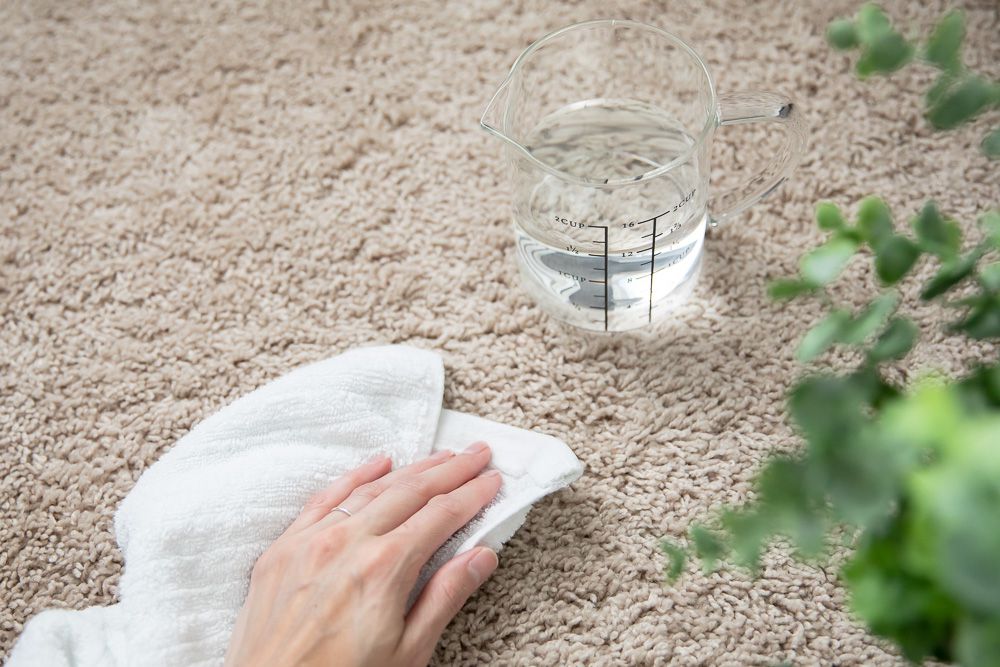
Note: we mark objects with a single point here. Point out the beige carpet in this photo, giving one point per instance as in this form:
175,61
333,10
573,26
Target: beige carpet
196,197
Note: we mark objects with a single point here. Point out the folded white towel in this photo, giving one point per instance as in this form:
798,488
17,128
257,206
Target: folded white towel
197,520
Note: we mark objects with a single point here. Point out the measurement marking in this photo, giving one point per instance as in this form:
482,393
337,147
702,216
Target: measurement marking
688,197
605,269
599,282
595,307
652,265
646,236
606,278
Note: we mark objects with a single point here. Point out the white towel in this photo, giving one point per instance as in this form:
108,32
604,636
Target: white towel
197,520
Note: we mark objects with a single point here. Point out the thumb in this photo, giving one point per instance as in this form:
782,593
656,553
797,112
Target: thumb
442,598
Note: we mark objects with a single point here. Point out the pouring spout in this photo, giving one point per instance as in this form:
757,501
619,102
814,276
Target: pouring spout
492,120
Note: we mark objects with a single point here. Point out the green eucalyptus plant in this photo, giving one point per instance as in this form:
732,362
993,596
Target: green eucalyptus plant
957,96
908,476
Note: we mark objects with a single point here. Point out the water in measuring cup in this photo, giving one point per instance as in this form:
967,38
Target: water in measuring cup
610,258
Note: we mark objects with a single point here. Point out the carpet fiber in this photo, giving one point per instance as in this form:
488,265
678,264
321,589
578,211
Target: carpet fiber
197,197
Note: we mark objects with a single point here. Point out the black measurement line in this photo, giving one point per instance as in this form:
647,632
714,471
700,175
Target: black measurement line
605,271
684,201
606,276
652,266
653,219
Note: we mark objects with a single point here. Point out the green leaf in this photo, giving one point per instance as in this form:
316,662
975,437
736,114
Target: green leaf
895,603
828,217
852,234
941,86
787,288
827,409
885,53
961,102
871,22
708,546
841,34
873,317
676,558
955,504
990,223
810,404
977,642
991,144
862,477
871,387
894,257
895,342
969,552
983,321
823,335
945,43
935,234
987,379
825,263
989,276
950,274
859,474
874,220
748,531
791,505
980,389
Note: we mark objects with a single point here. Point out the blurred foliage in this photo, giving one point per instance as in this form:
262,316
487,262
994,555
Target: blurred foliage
957,96
909,475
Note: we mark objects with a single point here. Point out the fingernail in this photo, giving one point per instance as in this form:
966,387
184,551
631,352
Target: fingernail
476,447
441,455
482,564
491,473
382,458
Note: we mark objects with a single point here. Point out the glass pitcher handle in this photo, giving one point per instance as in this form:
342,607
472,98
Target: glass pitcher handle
736,108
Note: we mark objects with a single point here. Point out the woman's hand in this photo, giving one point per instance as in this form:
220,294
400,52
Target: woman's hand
332,590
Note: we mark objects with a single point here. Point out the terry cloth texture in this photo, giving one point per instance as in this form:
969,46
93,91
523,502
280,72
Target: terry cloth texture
198,519
197,197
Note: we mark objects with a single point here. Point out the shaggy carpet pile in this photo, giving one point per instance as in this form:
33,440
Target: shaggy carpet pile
197,197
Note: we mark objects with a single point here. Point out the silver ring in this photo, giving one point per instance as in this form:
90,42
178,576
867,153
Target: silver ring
341,509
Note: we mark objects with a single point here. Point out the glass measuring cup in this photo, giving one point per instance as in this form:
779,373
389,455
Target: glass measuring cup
608,127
